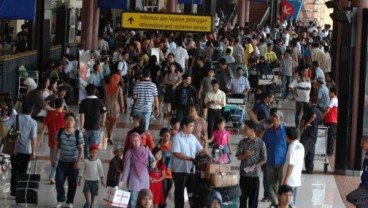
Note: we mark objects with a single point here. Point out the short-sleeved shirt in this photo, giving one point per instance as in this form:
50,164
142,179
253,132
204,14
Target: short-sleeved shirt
312,131
95,79
123,67
302,87
92,108
145,91
221,137
260,153
54,120
323,94
238,85
68,146
275,140
295,157
187,145
206,84
28,131
331,116
262,110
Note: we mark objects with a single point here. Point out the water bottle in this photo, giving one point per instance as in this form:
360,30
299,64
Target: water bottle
216,154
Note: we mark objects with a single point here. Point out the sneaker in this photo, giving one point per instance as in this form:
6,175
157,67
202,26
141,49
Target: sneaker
86,205
58,205
69,205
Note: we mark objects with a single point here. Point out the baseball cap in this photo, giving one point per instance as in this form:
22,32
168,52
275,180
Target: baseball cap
277,112
118,147
93,146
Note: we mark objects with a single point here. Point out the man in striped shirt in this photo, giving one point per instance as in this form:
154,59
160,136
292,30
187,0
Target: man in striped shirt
252,154
301,87
144,94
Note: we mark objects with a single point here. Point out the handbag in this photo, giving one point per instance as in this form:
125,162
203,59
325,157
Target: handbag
12,139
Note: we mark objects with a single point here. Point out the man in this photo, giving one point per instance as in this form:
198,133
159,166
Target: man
181,55
228,57
22,39
145,94
91,109
122,68
238,51
275,140
171,60
26,147
252,154
310,122
294,161
301,87
199,72
61,92
318,72
185,96
226,74
330,119
323,93
185,147
238,86
316,54
69,144
215,100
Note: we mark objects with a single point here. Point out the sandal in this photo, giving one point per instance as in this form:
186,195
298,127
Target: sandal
110,142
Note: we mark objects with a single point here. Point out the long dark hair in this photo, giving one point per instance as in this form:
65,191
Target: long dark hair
142,124
9,110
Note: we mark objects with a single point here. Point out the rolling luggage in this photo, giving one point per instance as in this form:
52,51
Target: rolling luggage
27,188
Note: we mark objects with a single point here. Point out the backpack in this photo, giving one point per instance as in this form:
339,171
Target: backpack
115,69
76,133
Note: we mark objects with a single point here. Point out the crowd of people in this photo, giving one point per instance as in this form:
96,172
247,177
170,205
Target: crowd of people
187,78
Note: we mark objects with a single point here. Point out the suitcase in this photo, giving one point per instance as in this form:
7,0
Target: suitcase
234,203
236,116
27,188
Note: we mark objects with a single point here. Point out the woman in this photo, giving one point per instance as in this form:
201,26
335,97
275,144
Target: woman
136,168
7,111
172,81
114,105
200,126
138,127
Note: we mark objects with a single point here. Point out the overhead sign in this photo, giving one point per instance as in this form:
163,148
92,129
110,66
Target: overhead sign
20,9
291,8
190,1
166,21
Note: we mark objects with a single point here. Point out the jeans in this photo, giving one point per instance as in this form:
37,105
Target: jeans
249,187
133,199
299,107
182,181
66,170
266,195
53,169
181,112
19,163
295,191
358,197
91,137
274,178
146,115
285,86
332,127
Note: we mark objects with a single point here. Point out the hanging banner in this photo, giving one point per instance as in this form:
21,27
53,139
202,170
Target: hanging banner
19,9
190,1
291,8
113,4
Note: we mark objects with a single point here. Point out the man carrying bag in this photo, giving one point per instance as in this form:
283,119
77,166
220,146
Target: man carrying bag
25,146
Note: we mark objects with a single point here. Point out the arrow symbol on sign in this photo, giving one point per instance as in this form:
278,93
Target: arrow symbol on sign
131,20
287,10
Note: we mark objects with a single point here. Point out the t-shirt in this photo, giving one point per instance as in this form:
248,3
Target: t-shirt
331,116
92,170
68,146
302,87
221,137
54,120
145,91
295,157
92,108
312,130
262,110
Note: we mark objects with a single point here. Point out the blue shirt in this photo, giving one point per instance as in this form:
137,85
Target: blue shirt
323,94
95,79
28,131
275,140
262,110
68,146
187,145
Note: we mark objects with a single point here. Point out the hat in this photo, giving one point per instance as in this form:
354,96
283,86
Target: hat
321,80
277,112
93,146
118,147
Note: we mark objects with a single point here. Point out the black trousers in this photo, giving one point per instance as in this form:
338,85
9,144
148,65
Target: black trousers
182,181
331,136
213,116
298,110
309,144
19,163
249,192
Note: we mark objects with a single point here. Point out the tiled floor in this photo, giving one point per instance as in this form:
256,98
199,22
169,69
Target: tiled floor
318,190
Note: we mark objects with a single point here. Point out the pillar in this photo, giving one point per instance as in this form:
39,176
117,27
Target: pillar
95,24
171,5
241,13
43,32
87,24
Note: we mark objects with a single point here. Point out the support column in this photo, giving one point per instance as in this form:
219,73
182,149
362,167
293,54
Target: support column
87,24
43,32
171,6
241,13
95,24
246,8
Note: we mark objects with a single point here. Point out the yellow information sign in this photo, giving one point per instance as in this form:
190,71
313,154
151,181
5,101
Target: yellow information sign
166,21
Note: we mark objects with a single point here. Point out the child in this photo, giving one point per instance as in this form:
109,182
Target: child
285,195
222,137
359,197
145,199
214,200
92,173
175,126
157,175
115,167
286,70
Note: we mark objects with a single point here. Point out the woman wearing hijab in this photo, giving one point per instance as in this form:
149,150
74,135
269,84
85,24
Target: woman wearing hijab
114,105
139,127
136,162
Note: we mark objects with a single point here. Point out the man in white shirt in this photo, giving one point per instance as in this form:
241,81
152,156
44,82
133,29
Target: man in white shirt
215,100
181,56
294,161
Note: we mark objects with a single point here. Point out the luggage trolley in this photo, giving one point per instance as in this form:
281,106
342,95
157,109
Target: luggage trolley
234,112
321,146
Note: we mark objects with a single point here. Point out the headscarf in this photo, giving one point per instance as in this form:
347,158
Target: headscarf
139,156
141,128
212,196
113,85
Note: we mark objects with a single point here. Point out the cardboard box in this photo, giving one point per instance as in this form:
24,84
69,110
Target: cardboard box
224,179
117,197
217,168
